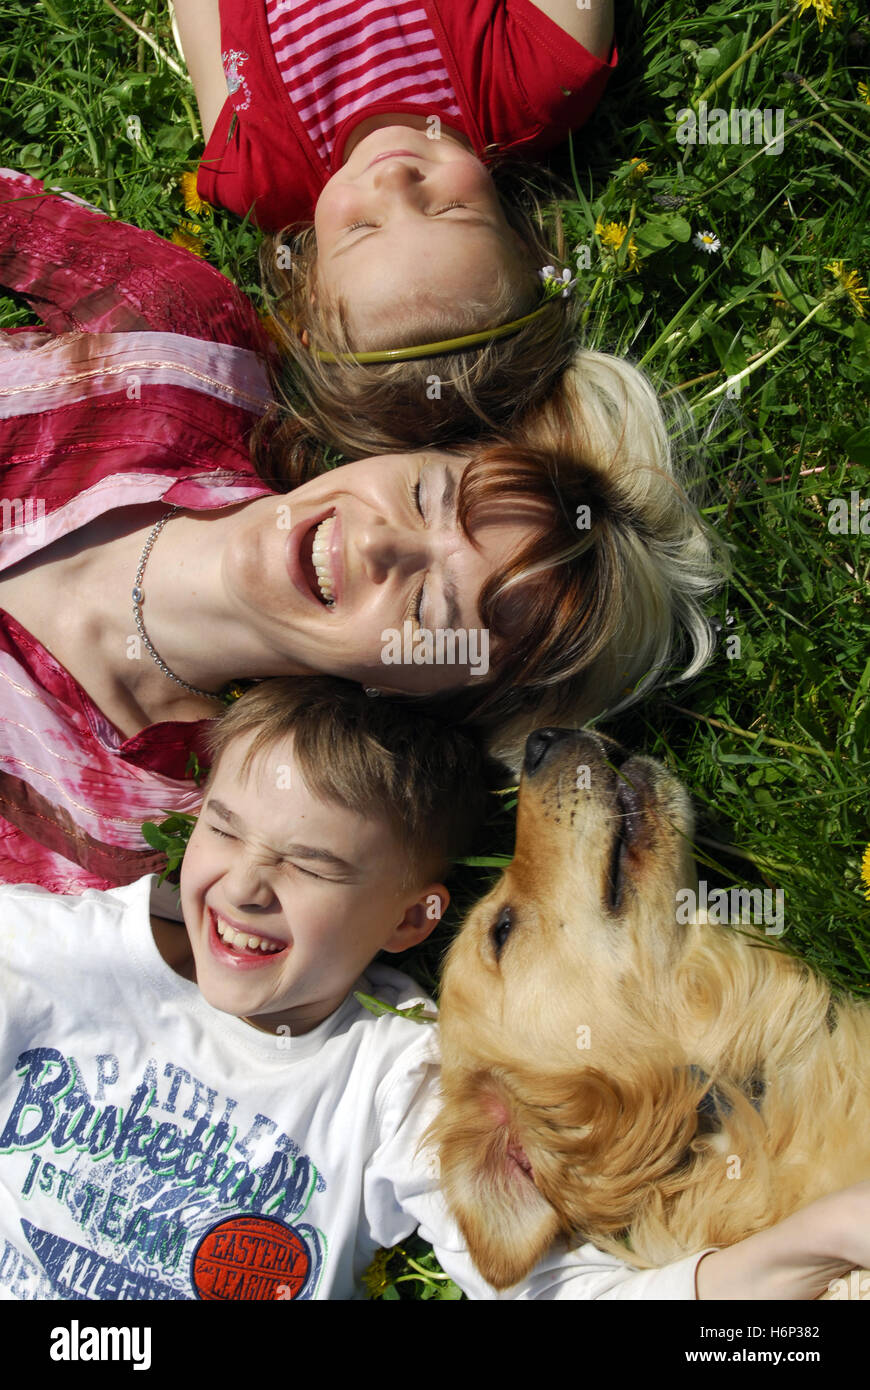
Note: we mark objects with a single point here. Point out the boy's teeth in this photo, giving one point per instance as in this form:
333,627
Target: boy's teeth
321,560
243,941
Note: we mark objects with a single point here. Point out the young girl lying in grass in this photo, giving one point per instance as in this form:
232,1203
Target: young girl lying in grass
409,301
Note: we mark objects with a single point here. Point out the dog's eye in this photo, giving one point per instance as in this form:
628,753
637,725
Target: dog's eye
501,931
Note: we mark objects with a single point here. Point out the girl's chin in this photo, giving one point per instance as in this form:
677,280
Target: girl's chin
373,125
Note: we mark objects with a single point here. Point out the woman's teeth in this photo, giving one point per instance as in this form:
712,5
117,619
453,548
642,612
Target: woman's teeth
320,558
241,941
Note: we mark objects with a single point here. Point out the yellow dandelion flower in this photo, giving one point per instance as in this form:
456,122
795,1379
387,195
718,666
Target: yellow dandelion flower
865,872
192,201
375,1277
640,168
851,285
188,235
612,235
823,8
234,691
864,92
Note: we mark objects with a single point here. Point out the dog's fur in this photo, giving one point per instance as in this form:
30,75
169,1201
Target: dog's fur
609,1075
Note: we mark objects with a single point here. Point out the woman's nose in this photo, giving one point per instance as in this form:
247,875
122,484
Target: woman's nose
384,548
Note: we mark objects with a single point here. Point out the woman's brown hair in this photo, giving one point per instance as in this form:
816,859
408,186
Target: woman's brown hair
610,591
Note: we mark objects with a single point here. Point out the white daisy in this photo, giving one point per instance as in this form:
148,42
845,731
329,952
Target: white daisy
706,241
554,282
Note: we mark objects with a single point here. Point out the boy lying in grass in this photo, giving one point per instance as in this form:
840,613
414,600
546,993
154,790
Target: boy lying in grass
211,1113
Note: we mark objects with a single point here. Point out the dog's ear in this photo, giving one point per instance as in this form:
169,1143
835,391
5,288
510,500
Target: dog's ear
528,1158
506,1222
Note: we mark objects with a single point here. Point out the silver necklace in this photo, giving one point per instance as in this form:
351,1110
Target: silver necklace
138,596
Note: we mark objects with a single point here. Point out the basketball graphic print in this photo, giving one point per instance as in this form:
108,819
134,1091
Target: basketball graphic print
250,1257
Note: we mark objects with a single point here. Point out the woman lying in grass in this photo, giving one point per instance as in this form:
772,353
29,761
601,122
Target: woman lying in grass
556,586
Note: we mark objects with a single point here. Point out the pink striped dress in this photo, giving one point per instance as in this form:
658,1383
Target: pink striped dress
302,75
142,387
337,57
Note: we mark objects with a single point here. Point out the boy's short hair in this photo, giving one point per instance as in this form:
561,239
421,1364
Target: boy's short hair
424,777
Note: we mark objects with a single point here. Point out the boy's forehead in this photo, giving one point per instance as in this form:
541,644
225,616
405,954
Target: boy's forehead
243,763
266,793
240,774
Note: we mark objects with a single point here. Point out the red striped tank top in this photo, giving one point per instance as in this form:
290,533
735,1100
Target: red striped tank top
338,58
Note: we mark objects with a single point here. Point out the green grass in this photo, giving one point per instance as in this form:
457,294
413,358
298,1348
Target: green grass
773,741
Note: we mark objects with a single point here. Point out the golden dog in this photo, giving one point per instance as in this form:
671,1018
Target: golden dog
612,1075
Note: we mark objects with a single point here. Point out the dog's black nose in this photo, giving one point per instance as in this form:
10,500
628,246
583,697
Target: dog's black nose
538,745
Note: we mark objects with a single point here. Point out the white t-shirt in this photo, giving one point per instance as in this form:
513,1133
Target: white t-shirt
154,1147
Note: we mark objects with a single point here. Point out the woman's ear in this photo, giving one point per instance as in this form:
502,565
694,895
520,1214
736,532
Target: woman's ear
420,919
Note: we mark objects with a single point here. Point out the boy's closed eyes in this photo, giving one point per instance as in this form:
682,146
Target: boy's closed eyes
338,870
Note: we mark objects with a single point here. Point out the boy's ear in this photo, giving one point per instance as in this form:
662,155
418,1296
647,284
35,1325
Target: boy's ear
421,918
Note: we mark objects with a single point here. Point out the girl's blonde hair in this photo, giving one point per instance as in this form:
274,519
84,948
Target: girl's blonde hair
364,409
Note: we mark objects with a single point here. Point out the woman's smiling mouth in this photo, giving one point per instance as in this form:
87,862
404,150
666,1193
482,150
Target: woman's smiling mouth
314,560
322,560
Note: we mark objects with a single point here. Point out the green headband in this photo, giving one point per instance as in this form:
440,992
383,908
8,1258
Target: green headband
554,288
